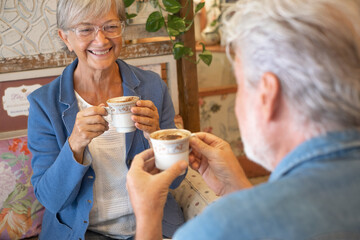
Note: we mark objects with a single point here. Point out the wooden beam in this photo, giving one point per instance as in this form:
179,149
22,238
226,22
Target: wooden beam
187,78
219,90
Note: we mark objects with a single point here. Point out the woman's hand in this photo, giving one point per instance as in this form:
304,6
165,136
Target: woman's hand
89,124
146,117
213,158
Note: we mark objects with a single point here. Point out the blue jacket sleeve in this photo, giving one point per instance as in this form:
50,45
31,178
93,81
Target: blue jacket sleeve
56,174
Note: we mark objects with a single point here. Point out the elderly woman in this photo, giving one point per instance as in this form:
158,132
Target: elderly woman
79,161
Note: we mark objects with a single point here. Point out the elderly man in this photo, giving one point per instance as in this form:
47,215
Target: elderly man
297,65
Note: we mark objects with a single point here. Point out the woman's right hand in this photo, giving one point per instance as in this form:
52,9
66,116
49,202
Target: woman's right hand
89,123
213,158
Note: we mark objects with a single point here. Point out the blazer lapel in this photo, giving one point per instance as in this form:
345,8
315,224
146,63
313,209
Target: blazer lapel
129,83
67,97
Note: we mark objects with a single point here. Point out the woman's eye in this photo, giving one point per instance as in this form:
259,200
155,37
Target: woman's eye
111,27
85,30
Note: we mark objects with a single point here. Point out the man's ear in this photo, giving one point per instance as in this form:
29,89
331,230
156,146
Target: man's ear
64,37
270,91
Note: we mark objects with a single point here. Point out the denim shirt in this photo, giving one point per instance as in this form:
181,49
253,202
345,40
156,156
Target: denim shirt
314,193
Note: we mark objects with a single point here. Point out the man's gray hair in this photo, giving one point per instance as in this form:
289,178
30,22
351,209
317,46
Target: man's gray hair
313,46
72,12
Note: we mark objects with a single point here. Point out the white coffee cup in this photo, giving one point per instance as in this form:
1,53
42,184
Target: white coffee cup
119,109
170,146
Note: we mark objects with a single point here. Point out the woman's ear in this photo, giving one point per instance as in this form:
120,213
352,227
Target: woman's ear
64,37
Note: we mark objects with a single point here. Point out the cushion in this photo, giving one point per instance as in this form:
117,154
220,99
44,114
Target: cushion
20,211
193,194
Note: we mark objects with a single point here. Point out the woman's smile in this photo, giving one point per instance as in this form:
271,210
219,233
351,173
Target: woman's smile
100,52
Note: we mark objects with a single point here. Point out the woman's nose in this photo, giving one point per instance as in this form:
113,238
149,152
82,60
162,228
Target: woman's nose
100,36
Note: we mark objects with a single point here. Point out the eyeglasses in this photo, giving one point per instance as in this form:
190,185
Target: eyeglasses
86,32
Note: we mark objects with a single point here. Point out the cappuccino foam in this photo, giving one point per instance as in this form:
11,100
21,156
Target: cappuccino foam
170,135
121,99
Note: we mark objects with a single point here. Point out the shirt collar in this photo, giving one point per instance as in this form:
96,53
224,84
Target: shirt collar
317,147
67,96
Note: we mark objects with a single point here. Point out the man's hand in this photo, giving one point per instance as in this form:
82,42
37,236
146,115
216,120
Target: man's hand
213,158
148,191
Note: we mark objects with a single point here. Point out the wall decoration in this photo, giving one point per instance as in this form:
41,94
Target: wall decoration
15,101
28,28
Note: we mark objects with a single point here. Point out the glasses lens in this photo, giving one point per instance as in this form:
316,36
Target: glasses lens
84,31
113,29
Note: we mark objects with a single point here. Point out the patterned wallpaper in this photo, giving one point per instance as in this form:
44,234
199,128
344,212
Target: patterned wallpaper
217,116
28,27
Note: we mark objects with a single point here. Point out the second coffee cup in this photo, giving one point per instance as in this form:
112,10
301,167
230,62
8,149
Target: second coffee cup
119,108
170,146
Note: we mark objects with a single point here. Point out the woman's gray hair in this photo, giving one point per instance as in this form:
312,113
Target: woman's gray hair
313,46
72,12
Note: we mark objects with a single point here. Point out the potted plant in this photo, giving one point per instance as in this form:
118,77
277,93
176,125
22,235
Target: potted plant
166,15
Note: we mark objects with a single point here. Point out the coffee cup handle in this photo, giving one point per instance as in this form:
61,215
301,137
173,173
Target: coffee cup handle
108,118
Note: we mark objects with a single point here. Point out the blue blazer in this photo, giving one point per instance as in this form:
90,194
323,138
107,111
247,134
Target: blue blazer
62,185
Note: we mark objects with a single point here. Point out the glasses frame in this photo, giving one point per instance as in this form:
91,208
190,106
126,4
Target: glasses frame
96,30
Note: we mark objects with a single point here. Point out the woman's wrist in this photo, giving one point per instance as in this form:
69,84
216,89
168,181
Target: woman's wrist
78,152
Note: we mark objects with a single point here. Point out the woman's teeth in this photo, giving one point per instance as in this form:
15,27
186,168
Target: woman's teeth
99,52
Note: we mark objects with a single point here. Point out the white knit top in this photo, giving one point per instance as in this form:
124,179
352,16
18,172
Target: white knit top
112,213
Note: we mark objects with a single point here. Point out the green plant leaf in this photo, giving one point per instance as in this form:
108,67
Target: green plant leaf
154,22
188,51
178,50
189,24
130,15
154,3
213,23
128,3
176,23
206,57
203,46
173,32
172,6
8,155
199,7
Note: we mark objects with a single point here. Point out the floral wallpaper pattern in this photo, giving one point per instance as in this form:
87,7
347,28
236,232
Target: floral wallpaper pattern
20,212
217,116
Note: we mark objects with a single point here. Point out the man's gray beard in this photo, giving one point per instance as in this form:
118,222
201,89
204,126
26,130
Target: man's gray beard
259,155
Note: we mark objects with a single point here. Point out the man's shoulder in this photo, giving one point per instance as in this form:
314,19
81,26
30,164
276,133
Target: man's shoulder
283,209
237,216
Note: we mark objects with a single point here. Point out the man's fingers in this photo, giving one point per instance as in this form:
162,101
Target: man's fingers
209,138
174,171
139,159
149,164
200,147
